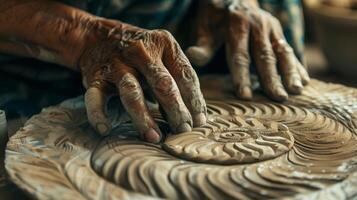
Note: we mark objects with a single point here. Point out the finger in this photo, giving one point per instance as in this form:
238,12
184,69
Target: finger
305,78
132,97
288,63
163,86
287,53
237,54
95,100
202,52
208,40
187,82
266,64
167,94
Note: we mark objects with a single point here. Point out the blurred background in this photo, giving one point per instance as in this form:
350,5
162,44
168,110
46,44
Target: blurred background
331,40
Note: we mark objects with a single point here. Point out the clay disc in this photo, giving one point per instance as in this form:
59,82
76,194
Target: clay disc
305,148
231,140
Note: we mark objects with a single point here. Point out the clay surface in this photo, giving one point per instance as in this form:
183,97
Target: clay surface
303,148
231,140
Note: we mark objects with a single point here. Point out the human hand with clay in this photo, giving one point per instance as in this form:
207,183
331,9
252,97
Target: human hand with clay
250,35
127,57
112,57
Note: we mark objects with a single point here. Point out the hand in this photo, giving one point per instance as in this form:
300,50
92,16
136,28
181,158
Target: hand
109,54
248,31
124,56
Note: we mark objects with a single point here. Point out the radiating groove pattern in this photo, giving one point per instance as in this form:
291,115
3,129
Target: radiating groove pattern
305,148
238,132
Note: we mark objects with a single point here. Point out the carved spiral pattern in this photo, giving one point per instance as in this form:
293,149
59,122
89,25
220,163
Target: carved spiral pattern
319,158
231,140
303,149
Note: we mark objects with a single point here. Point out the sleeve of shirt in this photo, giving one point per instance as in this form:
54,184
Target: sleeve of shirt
150,14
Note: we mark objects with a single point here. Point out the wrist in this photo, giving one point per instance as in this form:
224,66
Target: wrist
46,30
73,42
66,33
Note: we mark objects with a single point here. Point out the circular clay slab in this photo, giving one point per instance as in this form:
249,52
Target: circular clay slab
231,140
305,148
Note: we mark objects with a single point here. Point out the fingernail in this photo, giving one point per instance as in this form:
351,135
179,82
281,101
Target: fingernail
199,119
297,86
102,128
152,136
245,93
281,94
185,127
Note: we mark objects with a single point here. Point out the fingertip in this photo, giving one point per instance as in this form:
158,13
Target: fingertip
103,128
198,55
306,80
295,87
280,94
199,119
152,136
245,93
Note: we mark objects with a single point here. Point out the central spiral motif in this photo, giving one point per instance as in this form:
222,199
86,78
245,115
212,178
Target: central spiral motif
231,140
236,135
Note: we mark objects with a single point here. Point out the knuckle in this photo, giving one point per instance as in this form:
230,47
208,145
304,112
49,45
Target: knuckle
163,38
236,13
128,82
267,55
274,21
131,97
240,22
239,16
257,17
284,48
258,22
165,34
197,102
187,74
129,88
293,75
241,58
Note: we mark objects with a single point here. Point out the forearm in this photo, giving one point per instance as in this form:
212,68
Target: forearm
45,30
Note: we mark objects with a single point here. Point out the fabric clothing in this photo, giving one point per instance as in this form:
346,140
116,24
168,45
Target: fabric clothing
24,90
149,14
